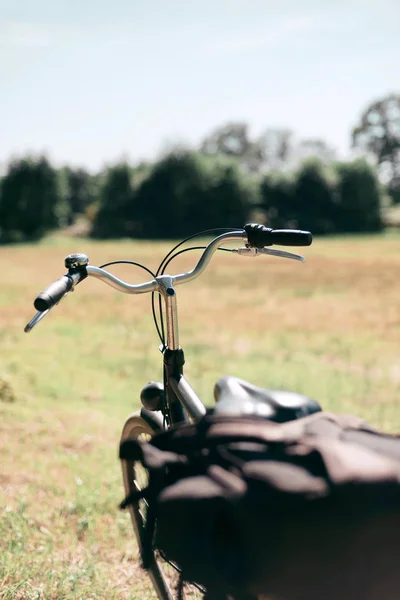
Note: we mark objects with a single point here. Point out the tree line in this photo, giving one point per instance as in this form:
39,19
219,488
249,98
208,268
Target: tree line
228,180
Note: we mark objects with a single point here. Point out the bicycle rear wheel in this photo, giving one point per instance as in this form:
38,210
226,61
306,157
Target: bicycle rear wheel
164,576
135,478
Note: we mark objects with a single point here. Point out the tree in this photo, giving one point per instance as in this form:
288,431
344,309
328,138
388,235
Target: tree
313,148
378,133
228,197
187,192
359,197
31,200
232,140
116,216
276,147
344,198
305,199
278,202
314,198
81,191
169,195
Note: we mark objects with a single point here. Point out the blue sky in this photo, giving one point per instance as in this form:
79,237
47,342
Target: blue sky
88,81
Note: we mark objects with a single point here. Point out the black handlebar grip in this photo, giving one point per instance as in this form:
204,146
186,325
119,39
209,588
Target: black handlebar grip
53,294
291,237
260,236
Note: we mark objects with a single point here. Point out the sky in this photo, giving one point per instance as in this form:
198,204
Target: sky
91,81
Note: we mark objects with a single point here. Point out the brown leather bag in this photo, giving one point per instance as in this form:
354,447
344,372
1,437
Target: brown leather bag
303,510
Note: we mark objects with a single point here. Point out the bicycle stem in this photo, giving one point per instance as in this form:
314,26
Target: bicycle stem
167,290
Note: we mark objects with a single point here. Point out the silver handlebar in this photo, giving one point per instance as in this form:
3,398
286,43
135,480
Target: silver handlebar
205,258
158,284
118,284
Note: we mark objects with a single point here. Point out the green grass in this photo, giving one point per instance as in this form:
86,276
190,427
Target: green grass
329,328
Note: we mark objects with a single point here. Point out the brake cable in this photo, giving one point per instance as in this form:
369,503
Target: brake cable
167,260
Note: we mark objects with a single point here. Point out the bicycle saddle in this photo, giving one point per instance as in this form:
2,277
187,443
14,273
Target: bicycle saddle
238,397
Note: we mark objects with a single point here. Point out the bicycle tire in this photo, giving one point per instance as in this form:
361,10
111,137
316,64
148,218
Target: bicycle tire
164,576
135,477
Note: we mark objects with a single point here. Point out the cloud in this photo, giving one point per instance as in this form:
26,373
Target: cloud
15,34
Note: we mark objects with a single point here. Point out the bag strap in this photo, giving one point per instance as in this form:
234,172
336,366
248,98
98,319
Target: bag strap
219,429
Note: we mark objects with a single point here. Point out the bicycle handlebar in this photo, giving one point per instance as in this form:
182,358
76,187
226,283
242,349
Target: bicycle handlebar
254,235
154,285
118,284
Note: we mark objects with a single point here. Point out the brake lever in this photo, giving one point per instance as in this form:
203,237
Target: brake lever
282,254
251,252
35,320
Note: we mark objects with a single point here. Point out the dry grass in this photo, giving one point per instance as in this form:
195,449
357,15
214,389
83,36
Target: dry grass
329,328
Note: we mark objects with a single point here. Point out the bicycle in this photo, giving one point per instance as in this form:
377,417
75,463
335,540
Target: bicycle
174,401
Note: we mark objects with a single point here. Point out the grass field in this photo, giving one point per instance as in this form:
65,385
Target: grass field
329,328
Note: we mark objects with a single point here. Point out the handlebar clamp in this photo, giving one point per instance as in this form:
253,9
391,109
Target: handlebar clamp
257,235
